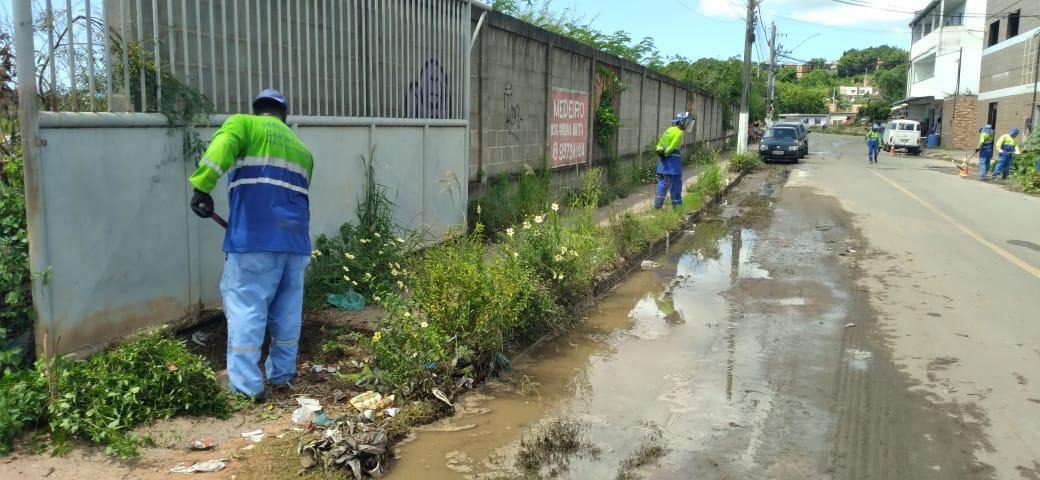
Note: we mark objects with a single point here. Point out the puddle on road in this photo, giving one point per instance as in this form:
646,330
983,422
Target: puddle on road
659,351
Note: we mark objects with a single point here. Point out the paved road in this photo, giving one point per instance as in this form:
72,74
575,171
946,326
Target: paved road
953,274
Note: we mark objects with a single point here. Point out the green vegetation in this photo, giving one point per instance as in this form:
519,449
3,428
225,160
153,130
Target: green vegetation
1023,170
744,163
149,377
15,293
367,258
547,451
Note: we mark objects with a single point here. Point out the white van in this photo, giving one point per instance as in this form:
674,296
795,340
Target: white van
905,134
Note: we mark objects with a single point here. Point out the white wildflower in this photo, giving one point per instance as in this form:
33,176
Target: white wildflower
353,282
346,278
555,207
400,284
478,209
515,254
399,240
394,272
424,324
376,234
346,269
407,314
510,232
364,240
557,258
380,252
539,218
527,225
349,256
377,298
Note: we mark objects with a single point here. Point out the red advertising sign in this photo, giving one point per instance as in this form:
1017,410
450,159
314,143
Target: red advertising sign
568,127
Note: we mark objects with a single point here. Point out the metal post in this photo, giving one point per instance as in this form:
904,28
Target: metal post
28,117
108,58
771,115
70,42
90,56
749,33
158,56
1036,81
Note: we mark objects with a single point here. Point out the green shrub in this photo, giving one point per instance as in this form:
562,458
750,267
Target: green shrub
367,258
479,300
709,184
744,163
553,255
507,201
626,234
149,377
700,154
23,402
15,279
409,350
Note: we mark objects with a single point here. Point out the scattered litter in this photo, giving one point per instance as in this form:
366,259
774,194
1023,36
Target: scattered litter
247,448
346,444
350,301
850,325
859,354
850,250
441,396
323,369
338,395
392,411
366,401
200,467
369,414
307,411
200,444
280,435
649,265
200,338
255,436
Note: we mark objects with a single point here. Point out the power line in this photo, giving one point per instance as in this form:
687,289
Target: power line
895,9
699,14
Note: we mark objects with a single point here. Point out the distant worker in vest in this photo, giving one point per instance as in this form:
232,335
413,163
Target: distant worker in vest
267,244
985,150
873,143
1006,151
669,167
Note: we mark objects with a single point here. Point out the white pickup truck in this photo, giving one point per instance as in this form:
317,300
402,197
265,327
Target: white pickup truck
904,134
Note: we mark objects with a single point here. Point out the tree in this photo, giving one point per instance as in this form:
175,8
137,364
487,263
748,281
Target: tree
892,82
857,62
818,79
786,74
875,111
794,98
721,78
818,63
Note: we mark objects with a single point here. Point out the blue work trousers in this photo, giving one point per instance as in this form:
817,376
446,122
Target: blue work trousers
873,146
670,184
1003,167
263,293
985,155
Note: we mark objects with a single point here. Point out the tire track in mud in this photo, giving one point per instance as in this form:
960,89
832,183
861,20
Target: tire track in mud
887,429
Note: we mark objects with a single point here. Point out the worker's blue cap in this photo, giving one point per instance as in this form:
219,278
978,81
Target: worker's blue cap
271,94
1013,132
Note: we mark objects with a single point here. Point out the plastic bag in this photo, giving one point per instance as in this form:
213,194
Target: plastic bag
349,301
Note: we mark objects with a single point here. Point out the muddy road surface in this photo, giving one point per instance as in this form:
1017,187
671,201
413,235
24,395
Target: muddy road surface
763,347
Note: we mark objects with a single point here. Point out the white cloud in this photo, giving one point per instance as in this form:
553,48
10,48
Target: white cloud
823,12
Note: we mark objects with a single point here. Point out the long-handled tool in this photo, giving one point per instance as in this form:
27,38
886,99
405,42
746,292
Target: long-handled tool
220,220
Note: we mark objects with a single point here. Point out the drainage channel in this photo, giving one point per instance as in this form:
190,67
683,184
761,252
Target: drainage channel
651,366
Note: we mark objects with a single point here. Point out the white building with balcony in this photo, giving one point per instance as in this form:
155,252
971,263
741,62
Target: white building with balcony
945,57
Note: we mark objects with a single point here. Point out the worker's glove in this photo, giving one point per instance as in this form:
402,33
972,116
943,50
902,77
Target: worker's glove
976,150
660,154
202,204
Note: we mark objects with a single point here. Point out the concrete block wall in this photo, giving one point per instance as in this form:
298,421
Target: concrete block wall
516,65
629,142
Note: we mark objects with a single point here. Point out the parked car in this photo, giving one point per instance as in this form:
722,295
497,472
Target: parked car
803,135
780,143
902,134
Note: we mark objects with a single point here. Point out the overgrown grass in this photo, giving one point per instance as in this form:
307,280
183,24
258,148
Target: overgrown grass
746,162
15,286
367,258
1023,170
547,451
149,377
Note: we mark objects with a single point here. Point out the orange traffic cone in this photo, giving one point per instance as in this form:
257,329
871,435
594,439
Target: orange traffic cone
963,167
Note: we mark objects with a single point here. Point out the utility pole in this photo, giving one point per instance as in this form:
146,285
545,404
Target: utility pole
957,92
749,38
770,112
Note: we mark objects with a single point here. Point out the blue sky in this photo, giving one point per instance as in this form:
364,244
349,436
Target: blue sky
715,28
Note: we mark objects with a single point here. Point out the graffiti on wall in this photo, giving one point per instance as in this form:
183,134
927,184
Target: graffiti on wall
428,95
568,127
514,115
